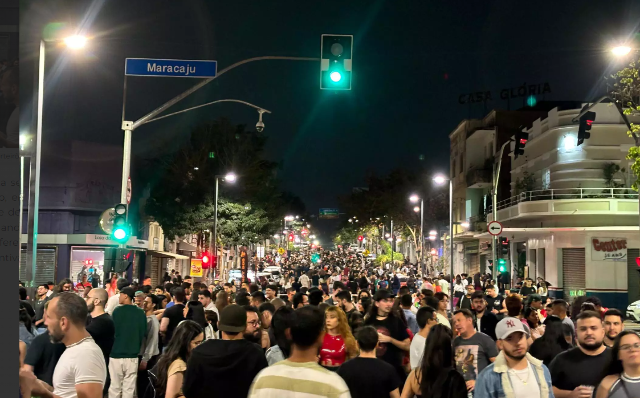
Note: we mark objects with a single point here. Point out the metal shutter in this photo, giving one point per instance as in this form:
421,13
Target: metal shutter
45,266
633,277
155,270
573,263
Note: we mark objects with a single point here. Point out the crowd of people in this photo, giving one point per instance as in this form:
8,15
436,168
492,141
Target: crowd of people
341,327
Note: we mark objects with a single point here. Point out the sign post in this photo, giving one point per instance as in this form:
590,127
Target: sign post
494,228
170,68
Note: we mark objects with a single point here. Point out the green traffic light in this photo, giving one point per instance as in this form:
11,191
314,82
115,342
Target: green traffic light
335,76
120,234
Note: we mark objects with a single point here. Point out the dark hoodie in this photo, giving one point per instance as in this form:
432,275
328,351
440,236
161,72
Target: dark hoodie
222,368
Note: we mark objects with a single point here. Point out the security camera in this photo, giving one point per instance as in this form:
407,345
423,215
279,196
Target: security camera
260,124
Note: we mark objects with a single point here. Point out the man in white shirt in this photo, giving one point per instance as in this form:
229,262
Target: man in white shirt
426,318
204,296
305,281
114,301
81,370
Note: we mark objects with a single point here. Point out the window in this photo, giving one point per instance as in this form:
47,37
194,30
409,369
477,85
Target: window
546,179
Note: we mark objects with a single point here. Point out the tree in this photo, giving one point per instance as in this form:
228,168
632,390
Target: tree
626,91
241,224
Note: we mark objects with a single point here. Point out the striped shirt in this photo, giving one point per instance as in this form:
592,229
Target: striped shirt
287,379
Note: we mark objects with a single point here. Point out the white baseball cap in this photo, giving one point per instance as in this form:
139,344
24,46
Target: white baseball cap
509,325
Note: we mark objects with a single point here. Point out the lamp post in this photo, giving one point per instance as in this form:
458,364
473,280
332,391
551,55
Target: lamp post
213,242
440,180
414,199
74,42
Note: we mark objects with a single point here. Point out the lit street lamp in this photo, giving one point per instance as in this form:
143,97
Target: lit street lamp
621,51
414,199
73,42
440,180
213,242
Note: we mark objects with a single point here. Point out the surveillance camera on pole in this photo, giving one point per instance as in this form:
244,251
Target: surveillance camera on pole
260,124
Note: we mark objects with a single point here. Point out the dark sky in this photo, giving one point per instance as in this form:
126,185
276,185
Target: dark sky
412,59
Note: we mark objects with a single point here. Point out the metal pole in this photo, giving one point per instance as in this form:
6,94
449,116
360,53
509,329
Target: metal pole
451,243
34,189
213,242
422,265
494,208
392,242
21,209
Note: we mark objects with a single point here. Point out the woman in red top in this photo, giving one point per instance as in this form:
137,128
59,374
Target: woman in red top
339,344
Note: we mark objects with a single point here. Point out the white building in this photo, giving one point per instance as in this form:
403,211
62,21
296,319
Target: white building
572,215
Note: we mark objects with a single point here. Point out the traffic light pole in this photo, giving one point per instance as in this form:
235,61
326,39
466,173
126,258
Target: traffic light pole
494,208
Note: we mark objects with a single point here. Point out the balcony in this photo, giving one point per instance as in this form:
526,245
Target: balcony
613,205
478,178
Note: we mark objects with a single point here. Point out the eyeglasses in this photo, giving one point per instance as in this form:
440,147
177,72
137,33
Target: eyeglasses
628,347
254,323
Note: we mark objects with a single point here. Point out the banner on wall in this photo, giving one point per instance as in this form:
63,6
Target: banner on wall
609,249
196,267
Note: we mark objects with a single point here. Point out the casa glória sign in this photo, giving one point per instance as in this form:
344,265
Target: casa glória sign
609,249
523,91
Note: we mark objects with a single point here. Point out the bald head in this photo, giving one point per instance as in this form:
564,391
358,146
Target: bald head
100,294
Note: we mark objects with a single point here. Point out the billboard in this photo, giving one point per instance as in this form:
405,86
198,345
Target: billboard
328,214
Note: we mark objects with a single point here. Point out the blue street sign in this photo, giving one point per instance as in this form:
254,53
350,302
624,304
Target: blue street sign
170,67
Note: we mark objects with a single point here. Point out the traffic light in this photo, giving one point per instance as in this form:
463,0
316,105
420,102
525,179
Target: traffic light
336,53
206,260
586,121
214,261
360,238
120,232
504,244
521,141
502,265
291,237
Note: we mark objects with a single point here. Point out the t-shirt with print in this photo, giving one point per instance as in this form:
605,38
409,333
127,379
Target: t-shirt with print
391,326
81,363
494,303
472,354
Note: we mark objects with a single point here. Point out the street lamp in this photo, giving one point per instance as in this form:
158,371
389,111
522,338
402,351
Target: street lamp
229,177
414,199
440,180
73,42
621,51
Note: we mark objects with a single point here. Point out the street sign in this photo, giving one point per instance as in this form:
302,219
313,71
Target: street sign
129,191
494,228
366,253
170,68
281,251
329,213
106,220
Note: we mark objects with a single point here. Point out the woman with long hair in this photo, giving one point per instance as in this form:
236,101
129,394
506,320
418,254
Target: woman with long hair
281,323
339,345
624,372
551,343
173,363
26,332
436,376
533,321
194,311
112,289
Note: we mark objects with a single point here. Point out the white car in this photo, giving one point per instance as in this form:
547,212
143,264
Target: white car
633,311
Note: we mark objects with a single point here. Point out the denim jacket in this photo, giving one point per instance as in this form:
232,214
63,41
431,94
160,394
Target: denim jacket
493,381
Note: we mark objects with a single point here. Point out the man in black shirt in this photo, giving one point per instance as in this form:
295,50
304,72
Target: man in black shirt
495,302
100,325
41,299
578,371
484,320
465,301
366,375
392,334
42,355
22,293
172,316
226,367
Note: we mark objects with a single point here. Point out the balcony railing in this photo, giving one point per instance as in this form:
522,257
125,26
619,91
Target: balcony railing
569,193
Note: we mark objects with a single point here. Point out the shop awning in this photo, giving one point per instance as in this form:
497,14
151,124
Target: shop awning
157,253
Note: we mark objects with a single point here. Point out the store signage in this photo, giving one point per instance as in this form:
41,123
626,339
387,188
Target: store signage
99,239
608,249
196,267
523,91
244,263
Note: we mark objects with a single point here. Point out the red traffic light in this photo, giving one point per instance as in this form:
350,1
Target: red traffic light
291,238
206,260
504,241
360,238
523,141
589,122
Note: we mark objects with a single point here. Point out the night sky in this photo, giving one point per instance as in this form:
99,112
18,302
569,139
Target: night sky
412,60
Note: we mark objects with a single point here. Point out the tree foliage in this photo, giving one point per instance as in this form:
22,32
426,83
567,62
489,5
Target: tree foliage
182,185
626,91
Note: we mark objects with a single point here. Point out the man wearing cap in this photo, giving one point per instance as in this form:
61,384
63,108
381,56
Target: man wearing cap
131,328
114,301
224,368
515,373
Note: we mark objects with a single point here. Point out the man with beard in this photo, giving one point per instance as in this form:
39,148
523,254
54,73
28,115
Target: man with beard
42,354
526,375
576,372
612,326
81,370
485,321
41,295
224,367
99,323
253,332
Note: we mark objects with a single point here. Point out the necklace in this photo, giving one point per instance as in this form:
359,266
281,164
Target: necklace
520,378
79,342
